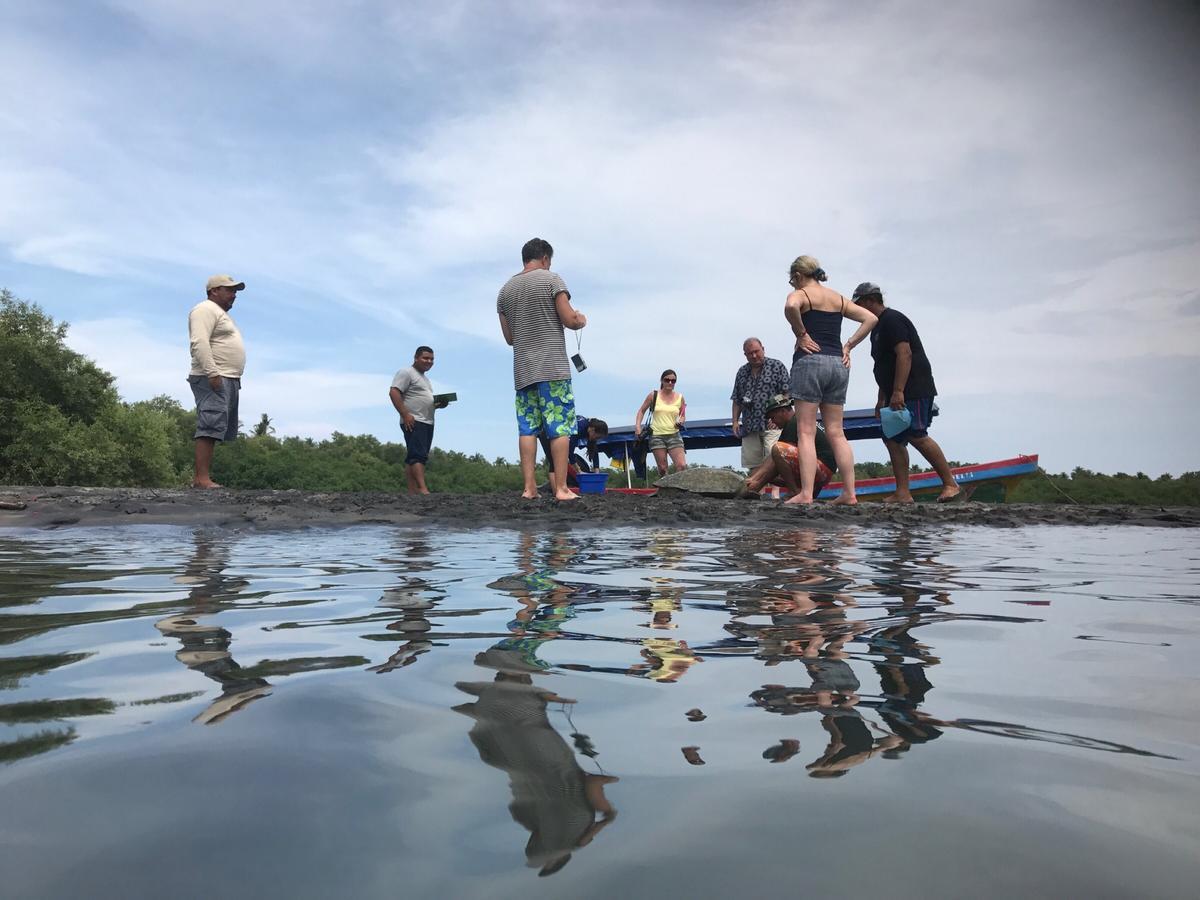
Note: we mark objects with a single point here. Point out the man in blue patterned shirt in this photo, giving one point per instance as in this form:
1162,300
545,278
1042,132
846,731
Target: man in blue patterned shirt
756,382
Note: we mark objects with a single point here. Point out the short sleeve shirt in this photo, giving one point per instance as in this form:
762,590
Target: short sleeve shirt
773,378
539,348
416,392
895,328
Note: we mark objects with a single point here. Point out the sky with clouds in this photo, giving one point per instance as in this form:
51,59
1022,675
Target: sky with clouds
1021,178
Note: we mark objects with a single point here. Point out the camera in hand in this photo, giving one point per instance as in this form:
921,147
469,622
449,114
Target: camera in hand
578,363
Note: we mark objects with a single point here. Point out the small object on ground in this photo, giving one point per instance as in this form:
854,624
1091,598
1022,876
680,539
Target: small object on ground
9,503
703,480
695,715
692,755
592,482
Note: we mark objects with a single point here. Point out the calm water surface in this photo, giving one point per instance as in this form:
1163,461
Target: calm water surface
377,712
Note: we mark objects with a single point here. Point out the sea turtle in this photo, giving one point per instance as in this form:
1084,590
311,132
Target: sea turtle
703,480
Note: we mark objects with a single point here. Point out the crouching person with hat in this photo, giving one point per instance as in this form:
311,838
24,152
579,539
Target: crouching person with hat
218,360
782,467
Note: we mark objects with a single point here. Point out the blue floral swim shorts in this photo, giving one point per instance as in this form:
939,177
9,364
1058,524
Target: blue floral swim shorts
547,406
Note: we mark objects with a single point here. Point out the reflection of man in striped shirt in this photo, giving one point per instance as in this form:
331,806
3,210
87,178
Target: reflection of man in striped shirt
534,306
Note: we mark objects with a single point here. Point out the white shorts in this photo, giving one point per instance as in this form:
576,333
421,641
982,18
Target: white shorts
756,447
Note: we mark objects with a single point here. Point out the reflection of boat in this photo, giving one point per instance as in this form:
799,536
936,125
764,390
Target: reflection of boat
986,481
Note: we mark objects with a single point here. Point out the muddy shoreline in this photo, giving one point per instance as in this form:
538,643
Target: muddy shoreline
60,507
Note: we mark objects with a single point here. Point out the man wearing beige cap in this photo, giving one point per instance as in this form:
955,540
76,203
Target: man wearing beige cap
218,359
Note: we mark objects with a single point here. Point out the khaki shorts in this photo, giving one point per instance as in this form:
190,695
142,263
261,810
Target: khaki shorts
668,442
756,447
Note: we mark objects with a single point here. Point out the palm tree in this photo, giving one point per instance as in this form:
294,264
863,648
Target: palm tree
264,427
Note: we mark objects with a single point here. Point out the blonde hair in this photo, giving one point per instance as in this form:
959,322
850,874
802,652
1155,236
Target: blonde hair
805,267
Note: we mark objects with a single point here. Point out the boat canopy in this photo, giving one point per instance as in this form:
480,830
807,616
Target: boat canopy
708,434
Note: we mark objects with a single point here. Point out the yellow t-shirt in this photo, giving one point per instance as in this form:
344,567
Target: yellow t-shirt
666,415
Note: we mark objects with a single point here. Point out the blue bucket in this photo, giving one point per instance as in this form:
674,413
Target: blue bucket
592,482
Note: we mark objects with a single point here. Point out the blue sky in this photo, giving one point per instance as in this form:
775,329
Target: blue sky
1020,178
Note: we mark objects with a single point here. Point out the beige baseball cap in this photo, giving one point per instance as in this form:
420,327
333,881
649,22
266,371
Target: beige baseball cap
217,281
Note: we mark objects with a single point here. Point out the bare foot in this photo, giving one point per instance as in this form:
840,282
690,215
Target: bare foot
206,485
843,500
564,496
947,494
798,499
525,495
897,498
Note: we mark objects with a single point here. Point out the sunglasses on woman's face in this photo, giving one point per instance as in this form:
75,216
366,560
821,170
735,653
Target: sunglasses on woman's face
668,381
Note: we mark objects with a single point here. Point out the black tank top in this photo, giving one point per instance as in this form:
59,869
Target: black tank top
823,327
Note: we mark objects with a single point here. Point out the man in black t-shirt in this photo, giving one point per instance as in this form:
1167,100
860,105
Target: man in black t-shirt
905,381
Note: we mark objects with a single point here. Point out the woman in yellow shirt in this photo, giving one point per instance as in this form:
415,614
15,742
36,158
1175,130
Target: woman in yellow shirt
669,413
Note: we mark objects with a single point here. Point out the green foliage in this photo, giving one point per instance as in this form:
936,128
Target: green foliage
353,463
61,421
1087,487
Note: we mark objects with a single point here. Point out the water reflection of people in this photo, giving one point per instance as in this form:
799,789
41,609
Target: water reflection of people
205,646
562,806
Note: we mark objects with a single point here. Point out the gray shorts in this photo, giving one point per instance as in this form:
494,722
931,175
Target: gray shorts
216,411
820,378
671,441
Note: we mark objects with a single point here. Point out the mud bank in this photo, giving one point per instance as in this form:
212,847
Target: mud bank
22,507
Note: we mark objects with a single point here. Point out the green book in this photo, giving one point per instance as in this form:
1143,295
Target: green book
444,398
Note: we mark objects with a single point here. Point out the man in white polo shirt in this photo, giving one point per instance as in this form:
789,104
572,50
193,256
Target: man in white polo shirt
412,395
218,360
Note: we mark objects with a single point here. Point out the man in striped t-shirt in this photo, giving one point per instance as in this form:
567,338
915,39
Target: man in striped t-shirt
534,306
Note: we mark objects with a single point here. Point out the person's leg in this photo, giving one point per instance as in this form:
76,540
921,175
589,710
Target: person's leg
544,442
417,471
660,460
527,448
929,449
560,450
558,417
753,453
806,428
204,455
899,456
529,425
679,457
786,459
831,418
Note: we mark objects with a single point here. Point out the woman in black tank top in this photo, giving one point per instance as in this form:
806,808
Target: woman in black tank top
821,370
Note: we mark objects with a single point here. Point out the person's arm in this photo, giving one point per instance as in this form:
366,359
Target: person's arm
637,417
505,330
567,314
201,323
682,411
398,402
866,320
736,397
791,312
903,352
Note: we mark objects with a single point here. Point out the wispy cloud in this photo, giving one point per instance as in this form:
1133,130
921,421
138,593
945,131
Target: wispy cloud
1018,177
